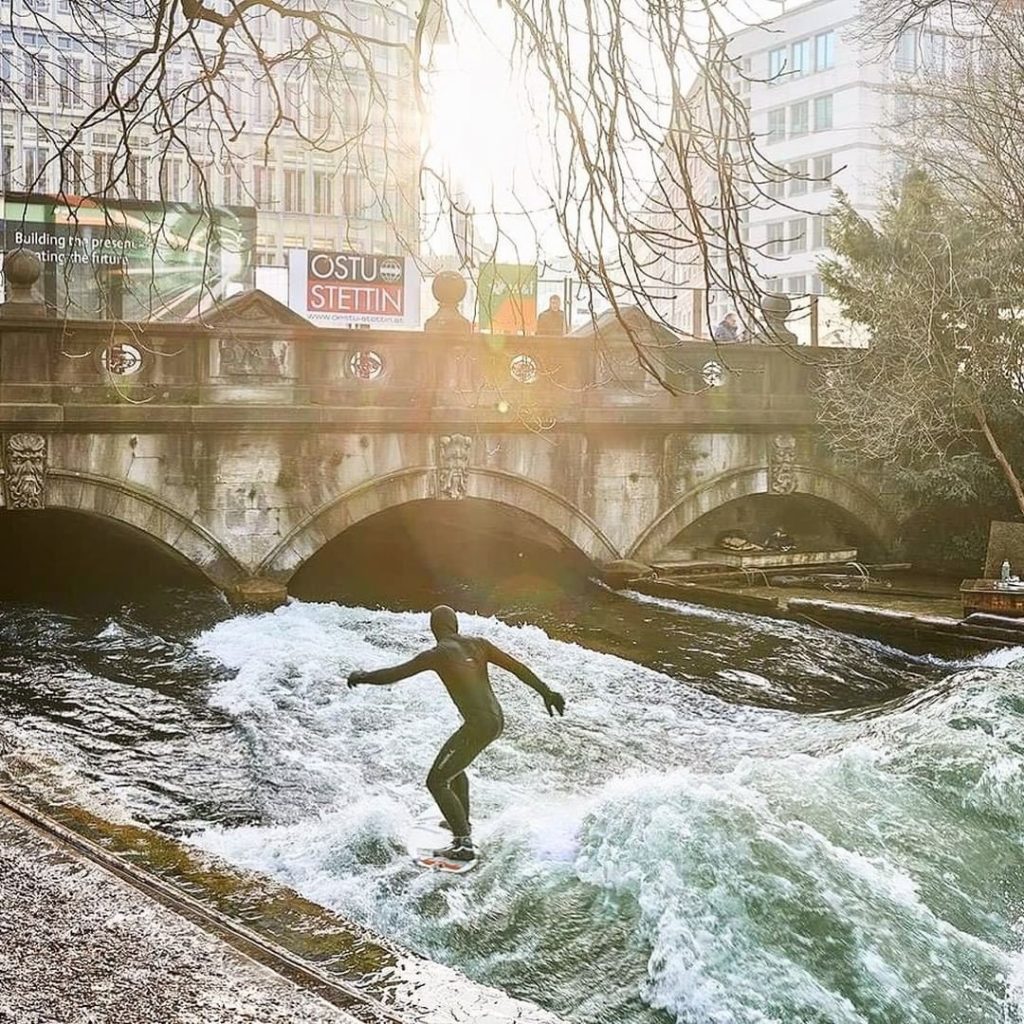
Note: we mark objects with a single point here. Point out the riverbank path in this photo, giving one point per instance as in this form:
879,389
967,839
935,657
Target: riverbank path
77,944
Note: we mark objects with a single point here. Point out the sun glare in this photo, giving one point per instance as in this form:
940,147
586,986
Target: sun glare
480,128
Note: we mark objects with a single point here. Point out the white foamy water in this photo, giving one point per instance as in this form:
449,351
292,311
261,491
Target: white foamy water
658,854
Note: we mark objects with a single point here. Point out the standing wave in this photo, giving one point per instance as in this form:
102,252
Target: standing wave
659,854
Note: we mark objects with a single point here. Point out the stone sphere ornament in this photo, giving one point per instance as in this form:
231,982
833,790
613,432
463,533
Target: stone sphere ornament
776,309
22,269
448,288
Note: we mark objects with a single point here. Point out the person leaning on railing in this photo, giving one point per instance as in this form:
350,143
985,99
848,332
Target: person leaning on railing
727,330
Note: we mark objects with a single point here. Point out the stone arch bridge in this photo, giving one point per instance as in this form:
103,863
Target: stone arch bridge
247,442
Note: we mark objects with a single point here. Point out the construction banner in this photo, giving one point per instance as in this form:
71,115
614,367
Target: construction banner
507,298
130,259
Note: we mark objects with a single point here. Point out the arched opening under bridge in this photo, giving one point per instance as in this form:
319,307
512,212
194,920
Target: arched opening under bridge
475,554
813,524
83,560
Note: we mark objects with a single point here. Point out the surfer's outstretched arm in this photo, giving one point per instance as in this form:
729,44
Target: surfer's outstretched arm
423,662
553,700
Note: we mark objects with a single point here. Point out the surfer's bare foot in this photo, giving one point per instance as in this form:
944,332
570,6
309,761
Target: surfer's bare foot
460,850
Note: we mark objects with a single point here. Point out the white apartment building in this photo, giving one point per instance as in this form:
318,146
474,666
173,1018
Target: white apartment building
821,100
819,107
338,194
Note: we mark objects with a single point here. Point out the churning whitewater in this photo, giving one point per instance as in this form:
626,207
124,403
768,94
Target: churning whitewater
661,853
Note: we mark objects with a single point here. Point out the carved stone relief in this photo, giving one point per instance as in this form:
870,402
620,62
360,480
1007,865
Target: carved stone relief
453,465
25,471
253,358
782,464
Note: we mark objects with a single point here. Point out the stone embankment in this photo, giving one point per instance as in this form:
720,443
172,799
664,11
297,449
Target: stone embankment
77,945
916,619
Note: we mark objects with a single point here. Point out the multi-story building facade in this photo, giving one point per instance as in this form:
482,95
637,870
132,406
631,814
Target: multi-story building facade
329,158
822,97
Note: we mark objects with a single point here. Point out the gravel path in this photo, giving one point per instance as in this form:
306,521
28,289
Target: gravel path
80,947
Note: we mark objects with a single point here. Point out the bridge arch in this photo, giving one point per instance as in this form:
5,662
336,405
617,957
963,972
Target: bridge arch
131,506
405,486
856,501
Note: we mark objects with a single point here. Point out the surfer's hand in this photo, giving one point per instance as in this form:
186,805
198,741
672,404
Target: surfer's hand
355,678
554,701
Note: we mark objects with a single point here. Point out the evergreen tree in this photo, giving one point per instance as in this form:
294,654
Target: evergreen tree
936,402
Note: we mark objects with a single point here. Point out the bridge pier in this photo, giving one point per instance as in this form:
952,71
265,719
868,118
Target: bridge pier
257,593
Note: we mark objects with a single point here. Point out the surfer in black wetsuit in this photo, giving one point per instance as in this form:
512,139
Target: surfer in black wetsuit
461,662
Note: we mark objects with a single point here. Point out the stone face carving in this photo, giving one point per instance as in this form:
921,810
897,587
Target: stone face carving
781,465
453,465
25,477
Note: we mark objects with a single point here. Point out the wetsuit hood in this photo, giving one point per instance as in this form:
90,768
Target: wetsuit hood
443,622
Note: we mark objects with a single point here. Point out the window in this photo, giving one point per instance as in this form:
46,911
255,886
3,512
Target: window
201,176
740,73
72,172
7,66
321,112
797,285
801,57
323,192
797,234
817,288
776,62
773,285
798,177
70,83
819,231
100,84
798,118
138,177
294,190
351,194
35,159
352,110
35,78
823,173
776,124
101,170
263,187
776,233
266,257
291,100
824,51
823,113
933,51
775,187
905,56
6,160
238,97
264,104
235,191
171,179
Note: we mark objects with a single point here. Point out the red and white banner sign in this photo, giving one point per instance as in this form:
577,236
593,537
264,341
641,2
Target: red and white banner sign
344,289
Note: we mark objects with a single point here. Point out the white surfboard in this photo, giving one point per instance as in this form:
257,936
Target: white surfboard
425,837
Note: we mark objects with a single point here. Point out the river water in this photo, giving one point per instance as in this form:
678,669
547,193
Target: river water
738,821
